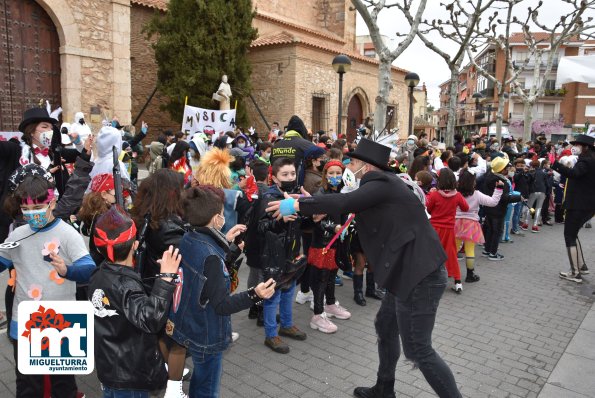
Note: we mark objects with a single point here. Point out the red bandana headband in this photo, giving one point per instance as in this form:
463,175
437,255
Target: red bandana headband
334,163
102,182
101,239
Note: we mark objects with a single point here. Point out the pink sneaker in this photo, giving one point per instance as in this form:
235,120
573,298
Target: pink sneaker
337,311
322,323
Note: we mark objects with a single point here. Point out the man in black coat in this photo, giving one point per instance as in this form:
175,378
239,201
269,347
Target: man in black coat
578,202
408,261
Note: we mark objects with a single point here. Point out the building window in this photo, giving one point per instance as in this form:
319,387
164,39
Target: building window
550,85
591,85
370,53
590,110
320,111
548,111
519,109
391,117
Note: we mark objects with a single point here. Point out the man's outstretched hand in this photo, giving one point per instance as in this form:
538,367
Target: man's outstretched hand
273,207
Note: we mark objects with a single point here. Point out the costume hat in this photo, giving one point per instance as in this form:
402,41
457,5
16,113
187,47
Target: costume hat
34,116
373,153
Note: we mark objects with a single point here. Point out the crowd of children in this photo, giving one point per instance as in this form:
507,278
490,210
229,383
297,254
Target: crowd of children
163,253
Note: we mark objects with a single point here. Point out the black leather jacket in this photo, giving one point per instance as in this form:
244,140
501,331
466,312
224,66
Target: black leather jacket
127,321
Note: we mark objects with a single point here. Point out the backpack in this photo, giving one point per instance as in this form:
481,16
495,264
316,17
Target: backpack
156,164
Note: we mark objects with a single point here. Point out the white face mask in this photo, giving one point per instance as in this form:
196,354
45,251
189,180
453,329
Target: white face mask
511,173
576,150
45,138
349,179
242,146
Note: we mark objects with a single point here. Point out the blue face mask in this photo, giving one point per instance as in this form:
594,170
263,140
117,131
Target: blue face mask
334,181
36,218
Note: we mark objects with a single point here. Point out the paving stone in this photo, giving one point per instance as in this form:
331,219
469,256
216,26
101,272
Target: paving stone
502,337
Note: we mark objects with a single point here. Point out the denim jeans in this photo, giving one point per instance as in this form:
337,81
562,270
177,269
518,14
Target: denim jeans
516,216
413,319
113,393
206,375
284,301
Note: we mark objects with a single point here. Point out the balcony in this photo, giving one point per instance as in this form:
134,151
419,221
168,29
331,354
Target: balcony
479,116
488,92
559,92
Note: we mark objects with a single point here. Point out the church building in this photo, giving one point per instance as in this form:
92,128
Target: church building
92,56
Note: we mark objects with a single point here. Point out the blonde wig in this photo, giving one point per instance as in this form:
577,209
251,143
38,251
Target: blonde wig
214,169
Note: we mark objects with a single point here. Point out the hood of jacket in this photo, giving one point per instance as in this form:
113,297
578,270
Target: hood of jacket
156,149
296,124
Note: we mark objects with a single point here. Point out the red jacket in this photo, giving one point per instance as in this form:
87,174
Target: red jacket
442,206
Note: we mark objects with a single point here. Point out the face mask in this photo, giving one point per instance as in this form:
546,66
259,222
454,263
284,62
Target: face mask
349,179
410,142
241,146
576,150
219,228
114,123
36,218
45,138
511,173
266,155
288,186
320,167
334,181
82,121
495,147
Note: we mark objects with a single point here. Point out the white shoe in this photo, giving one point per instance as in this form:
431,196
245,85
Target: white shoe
458,288
322,323
174,390
336,311
234,336
303,298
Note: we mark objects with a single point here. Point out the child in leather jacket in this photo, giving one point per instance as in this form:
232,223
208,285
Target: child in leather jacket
281,243
127,319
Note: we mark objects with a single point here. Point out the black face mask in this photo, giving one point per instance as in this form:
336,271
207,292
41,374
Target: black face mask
320,167
82,121
288,186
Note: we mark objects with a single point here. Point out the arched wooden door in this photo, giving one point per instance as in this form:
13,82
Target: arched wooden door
355,117
29,60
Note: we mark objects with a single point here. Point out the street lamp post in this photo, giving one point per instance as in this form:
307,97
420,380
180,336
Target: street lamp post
341,65
411,79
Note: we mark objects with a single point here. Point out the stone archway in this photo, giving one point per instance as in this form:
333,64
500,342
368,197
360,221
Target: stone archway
70,49
358,107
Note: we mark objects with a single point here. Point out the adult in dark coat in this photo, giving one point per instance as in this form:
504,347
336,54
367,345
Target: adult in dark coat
408,261
578,202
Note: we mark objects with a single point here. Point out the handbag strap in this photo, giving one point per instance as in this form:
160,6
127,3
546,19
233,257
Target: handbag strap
349,220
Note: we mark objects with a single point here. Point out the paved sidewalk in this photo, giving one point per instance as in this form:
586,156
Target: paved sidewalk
505,336
574,375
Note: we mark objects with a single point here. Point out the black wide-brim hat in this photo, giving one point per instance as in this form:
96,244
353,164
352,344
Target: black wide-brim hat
373,153
583,139
34,116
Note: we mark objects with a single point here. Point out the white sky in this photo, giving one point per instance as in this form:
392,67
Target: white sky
430,67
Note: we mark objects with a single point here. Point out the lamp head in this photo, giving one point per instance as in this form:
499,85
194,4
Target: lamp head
341,63
412,79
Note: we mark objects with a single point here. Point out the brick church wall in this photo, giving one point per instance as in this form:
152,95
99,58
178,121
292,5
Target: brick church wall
144,77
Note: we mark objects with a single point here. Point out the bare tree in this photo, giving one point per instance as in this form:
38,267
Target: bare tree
458,28
369,10
569,27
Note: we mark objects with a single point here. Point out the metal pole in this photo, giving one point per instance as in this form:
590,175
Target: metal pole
489,109
340,104
144,106
260,112
411,110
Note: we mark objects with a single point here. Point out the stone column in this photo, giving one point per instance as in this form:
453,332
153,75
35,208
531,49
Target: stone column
122,90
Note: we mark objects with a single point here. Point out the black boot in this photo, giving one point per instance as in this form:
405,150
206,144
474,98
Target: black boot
471,276
382,389
253,312
371,290
358,286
